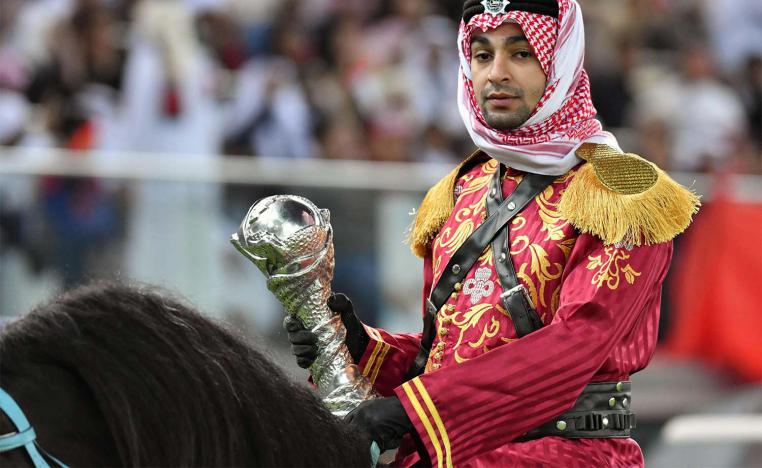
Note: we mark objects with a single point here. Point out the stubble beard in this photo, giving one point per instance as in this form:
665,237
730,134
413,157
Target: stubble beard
506,120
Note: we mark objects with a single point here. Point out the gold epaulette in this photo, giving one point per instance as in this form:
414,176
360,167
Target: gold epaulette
437,206
622,198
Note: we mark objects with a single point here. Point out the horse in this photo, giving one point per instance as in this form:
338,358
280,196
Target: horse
118,375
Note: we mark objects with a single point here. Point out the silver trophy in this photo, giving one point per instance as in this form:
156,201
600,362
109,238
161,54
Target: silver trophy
291,241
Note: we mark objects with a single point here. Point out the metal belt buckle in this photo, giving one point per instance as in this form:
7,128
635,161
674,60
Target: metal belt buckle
520,289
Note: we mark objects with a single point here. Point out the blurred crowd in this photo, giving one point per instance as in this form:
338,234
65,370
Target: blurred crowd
679,81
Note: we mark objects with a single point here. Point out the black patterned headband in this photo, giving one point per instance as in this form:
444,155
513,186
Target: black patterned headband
496,7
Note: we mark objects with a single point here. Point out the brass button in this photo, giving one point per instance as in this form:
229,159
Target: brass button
439,355
484,215
443,331
458,287
454,296
619,386
440,345
612,402
436,366
561,425
450,307
446,320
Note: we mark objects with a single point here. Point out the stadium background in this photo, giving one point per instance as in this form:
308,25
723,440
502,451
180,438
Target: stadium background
135,134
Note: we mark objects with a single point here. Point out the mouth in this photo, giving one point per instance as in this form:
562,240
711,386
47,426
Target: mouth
501,99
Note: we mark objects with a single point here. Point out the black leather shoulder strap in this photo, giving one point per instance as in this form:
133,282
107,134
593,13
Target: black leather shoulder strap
515,297
465,257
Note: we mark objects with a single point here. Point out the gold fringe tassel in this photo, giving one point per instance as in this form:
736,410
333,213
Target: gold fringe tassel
655,215
436,207
433,212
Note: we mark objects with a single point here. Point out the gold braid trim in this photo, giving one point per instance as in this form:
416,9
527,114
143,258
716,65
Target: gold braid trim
622,198
436,207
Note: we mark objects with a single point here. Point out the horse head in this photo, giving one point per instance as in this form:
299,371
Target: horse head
115,375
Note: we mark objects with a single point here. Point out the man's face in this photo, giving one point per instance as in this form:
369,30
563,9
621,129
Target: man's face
507,76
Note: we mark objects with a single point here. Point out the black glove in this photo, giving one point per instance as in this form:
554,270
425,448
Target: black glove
383,419
304,342
357,338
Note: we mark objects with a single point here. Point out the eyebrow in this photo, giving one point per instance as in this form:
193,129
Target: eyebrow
508,40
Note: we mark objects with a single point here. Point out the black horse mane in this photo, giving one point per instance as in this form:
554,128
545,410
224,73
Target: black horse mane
174,388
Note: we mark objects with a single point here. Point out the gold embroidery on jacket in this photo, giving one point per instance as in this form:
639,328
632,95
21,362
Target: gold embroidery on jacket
552,222
515,178
486,259
435,263
556,228
462,214
450,241
464,321
474,184
566,246
542,269
518,222
610,269
488,332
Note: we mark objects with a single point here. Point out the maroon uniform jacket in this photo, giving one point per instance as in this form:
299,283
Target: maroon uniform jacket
482,387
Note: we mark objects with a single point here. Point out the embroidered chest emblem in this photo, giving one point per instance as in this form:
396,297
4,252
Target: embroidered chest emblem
495,7
480,286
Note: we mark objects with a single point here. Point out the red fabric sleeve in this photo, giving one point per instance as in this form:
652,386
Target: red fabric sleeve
462,410
389,356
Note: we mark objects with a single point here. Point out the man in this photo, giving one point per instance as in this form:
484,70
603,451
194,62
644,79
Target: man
525,354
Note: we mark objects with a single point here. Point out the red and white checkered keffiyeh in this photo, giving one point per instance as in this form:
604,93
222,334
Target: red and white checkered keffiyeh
564,117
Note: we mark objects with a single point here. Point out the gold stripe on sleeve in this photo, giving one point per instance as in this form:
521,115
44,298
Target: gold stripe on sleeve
376,349
437,420
379,362
425,420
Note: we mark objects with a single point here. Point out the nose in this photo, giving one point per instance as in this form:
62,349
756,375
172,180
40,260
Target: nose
499,70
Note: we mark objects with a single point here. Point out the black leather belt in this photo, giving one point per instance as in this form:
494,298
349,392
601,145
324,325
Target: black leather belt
601,411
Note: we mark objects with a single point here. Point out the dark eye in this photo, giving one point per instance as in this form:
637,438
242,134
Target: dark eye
482,56
524,54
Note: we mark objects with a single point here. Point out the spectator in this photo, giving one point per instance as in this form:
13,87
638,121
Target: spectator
170,106
708,123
